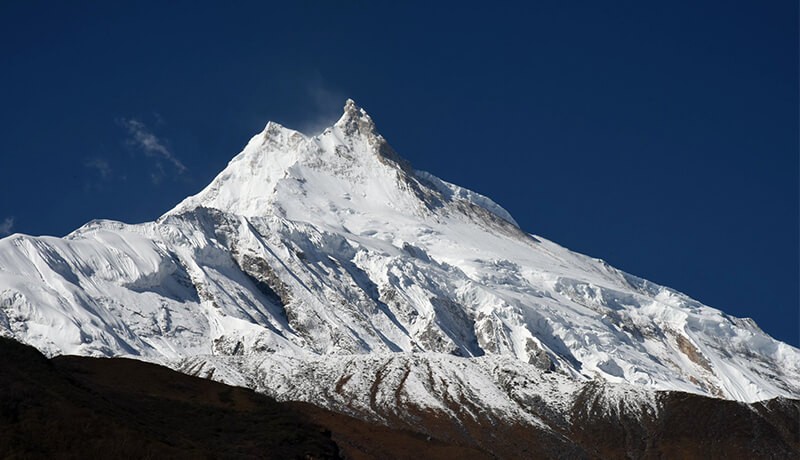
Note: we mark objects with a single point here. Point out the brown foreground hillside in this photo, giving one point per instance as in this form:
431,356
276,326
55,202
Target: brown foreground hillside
75,407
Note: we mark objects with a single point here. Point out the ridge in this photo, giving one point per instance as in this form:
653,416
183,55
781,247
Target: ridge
281,170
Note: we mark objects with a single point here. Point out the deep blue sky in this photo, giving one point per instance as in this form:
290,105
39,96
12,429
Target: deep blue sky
660,136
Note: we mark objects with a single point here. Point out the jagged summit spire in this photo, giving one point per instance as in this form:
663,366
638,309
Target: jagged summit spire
355,120
351,108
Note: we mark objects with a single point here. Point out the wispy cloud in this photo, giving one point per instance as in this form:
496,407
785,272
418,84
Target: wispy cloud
100,165
326,106
6,226
142,138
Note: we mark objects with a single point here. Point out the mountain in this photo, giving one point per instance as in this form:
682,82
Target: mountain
326,269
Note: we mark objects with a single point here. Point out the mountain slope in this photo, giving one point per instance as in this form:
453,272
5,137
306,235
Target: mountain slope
330,256
70,407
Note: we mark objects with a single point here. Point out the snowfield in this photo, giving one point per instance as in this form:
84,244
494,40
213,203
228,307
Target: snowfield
326,269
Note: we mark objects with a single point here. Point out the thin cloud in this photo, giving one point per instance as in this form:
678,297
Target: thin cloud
99,165
6,226
157,174
326,107
159,119
140,136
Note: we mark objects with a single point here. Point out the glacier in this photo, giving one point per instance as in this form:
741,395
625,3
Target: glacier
326,269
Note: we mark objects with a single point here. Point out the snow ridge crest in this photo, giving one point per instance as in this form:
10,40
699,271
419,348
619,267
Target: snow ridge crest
281,168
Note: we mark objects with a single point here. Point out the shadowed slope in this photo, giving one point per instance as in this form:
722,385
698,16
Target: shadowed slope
82,407
71,407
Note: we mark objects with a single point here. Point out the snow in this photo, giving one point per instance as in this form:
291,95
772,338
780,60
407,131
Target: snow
309,259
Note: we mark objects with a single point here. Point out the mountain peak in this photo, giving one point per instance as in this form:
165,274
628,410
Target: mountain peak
283,172
278,135
273,127
355,120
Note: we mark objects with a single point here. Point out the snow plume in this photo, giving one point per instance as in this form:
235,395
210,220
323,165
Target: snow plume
326,103
6,226
140,136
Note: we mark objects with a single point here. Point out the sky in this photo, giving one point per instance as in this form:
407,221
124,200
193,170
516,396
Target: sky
661,137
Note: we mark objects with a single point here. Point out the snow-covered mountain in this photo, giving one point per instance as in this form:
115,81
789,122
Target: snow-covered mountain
326,269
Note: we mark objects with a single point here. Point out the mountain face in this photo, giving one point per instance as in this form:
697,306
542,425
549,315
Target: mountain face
326,269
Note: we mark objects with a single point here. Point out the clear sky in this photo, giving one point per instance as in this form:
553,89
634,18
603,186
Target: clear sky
659,136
